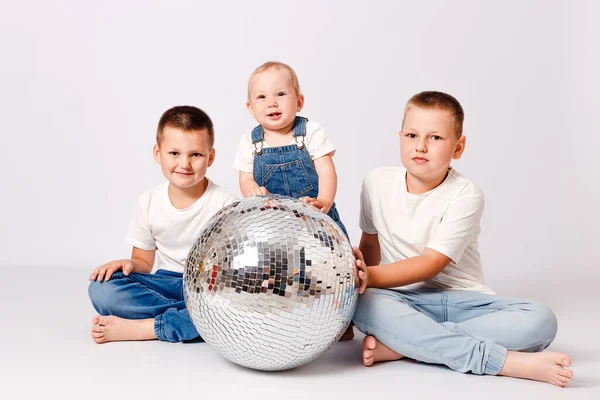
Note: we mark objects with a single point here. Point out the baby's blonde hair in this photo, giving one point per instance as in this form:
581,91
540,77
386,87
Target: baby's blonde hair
277,65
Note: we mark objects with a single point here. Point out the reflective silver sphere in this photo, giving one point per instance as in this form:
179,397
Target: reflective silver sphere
271,283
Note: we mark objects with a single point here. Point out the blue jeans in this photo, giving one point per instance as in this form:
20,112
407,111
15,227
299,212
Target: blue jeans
140,296
467,331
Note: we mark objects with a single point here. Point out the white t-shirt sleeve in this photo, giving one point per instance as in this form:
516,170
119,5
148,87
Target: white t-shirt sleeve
317,143
139,233
366,217
244,158
460,224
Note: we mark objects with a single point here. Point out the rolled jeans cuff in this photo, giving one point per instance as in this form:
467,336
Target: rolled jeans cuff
159,328
495,360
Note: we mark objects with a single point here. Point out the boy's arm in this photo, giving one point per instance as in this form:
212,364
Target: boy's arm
249,187
412,270
142,260
369,247
327,183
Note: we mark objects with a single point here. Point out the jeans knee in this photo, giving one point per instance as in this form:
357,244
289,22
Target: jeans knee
544,322
366,306
102,296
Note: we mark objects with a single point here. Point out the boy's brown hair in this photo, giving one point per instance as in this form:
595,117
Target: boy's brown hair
186,118
277,65
441,101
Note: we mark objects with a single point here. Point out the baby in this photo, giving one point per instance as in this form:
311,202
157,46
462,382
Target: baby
286,154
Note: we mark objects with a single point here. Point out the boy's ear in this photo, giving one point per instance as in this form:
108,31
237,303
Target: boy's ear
211,156
156,153
300,102
249,107
460,147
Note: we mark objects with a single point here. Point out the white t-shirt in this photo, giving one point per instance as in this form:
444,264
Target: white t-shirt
445,219
157,224
315,141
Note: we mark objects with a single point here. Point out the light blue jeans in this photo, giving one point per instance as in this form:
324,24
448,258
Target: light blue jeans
467,331
140,296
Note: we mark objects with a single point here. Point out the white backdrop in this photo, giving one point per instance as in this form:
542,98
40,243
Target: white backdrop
83,84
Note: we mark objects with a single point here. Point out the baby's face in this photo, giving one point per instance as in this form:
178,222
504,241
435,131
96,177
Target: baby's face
273,100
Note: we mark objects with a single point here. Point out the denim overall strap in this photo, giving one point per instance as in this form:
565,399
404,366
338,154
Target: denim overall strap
288,170
258,134
300,126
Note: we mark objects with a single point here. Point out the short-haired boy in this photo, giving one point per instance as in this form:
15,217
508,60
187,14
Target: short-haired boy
426,298
134,303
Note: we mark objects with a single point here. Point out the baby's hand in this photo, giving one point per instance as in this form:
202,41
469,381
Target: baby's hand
321,204
104,272
363,271
257,191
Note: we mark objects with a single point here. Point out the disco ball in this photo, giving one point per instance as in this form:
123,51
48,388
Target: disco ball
271,283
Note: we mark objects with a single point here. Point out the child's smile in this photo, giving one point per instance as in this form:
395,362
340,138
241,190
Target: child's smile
274,115
273,100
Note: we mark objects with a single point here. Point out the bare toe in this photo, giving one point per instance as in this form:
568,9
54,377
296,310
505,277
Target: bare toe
369,342
544,367
566,373
368,345
100,340
375,351
557,382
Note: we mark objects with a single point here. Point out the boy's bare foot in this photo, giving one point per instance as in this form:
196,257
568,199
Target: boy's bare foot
113,329
545,367
374,351
348,335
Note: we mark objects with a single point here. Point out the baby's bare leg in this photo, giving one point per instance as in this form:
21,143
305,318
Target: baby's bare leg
113,329
547,367
374,351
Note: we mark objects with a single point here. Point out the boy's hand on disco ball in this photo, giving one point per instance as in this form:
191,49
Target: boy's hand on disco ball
363,271
104,272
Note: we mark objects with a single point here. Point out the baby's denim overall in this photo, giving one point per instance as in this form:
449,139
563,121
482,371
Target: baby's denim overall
288,170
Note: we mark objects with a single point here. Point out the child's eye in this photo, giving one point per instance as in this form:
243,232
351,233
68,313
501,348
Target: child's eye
260,96
281,94
173,153
196,155
436,137
411,135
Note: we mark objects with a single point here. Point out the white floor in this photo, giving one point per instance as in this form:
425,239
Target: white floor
46,351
